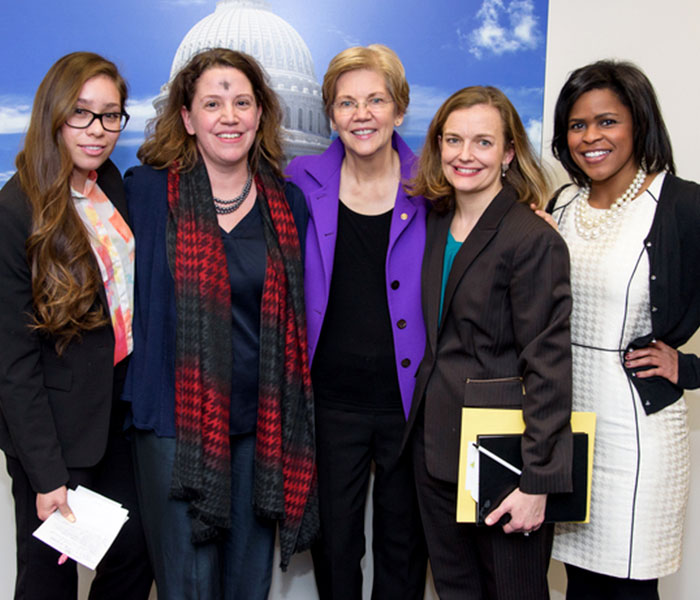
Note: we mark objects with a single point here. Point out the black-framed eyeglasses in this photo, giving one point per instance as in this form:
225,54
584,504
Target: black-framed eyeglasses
82,118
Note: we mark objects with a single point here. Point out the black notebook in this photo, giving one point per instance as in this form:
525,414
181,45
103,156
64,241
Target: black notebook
497,481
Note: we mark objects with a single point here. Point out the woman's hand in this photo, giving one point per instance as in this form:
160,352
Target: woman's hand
662,359
526,512
545,216
57,499
47,504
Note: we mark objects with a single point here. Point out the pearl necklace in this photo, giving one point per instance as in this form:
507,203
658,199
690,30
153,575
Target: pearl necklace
226,207
590,222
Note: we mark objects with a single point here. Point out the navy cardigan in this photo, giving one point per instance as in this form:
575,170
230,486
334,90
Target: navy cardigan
150,383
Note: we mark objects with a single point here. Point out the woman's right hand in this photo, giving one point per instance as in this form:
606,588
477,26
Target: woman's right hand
56,500
47,504
543,214
526,511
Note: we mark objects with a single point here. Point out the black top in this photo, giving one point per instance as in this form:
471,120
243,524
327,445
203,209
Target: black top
246,257
150,383
354,364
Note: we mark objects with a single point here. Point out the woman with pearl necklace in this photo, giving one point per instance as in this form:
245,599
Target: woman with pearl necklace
631,227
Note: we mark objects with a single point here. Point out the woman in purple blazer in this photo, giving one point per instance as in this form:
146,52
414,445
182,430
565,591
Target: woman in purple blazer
364,248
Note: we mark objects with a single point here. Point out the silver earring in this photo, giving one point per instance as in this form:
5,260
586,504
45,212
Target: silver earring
504,169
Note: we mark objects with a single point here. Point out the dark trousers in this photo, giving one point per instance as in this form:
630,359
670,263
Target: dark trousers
237,567
347,444
587,585
476,563
124,572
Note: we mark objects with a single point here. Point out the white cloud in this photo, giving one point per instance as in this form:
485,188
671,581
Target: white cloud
129,142
424,103
426,100
505,27
140,112
14,118
528,101
5,176
183,2
348,39
534,133
14,115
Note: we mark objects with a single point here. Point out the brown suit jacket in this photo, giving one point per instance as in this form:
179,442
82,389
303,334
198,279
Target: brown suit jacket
503,340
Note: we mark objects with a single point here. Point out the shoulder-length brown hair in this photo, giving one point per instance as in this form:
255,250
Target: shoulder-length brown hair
169,142
65,281
524,174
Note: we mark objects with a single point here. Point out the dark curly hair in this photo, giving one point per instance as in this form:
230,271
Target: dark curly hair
169,141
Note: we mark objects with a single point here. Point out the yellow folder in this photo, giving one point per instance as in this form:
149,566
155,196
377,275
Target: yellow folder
497,421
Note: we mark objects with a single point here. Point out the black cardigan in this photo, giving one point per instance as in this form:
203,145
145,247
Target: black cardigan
673,248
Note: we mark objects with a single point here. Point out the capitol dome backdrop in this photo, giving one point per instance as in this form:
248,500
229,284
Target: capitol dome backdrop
250,26
444,45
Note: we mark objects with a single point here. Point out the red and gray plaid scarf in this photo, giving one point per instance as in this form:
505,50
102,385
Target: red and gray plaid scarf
285,474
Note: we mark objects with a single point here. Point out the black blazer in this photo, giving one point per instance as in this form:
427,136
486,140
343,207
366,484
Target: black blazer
503,341
54,410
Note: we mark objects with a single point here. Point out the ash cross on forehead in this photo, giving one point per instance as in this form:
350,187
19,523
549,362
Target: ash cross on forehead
224,84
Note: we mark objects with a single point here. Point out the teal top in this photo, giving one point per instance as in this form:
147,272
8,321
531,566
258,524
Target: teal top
451,249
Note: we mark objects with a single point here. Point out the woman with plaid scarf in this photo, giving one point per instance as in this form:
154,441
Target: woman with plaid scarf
219,385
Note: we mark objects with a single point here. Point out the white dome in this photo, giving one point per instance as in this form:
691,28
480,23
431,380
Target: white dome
251,27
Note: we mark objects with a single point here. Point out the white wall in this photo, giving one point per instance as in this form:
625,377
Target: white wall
7,534
663,38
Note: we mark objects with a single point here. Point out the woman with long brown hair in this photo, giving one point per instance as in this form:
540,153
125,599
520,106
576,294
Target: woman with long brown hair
219,384
66,291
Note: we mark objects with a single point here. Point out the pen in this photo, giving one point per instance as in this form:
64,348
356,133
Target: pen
498,459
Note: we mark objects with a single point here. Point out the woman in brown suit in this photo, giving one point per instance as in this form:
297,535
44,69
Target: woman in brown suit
496,303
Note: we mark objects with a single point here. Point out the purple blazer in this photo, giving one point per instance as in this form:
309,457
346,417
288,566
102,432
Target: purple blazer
319,179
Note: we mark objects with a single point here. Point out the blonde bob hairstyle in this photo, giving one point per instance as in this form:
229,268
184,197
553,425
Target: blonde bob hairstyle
375,57
168,141
524,174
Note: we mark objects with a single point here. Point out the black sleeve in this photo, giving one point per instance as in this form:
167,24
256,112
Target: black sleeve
26,413
552,203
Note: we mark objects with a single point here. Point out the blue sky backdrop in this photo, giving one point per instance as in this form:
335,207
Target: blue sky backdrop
444,45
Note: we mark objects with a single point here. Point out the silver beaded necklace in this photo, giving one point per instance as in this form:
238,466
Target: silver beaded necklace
226,207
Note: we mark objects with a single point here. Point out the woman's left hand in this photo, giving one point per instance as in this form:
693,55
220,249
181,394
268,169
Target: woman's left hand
545,216
662,359
526,512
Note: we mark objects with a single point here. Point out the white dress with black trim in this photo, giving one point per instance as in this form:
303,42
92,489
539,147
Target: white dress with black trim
641,465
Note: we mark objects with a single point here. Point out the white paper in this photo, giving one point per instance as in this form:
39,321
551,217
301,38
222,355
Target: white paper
471,480
98,520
